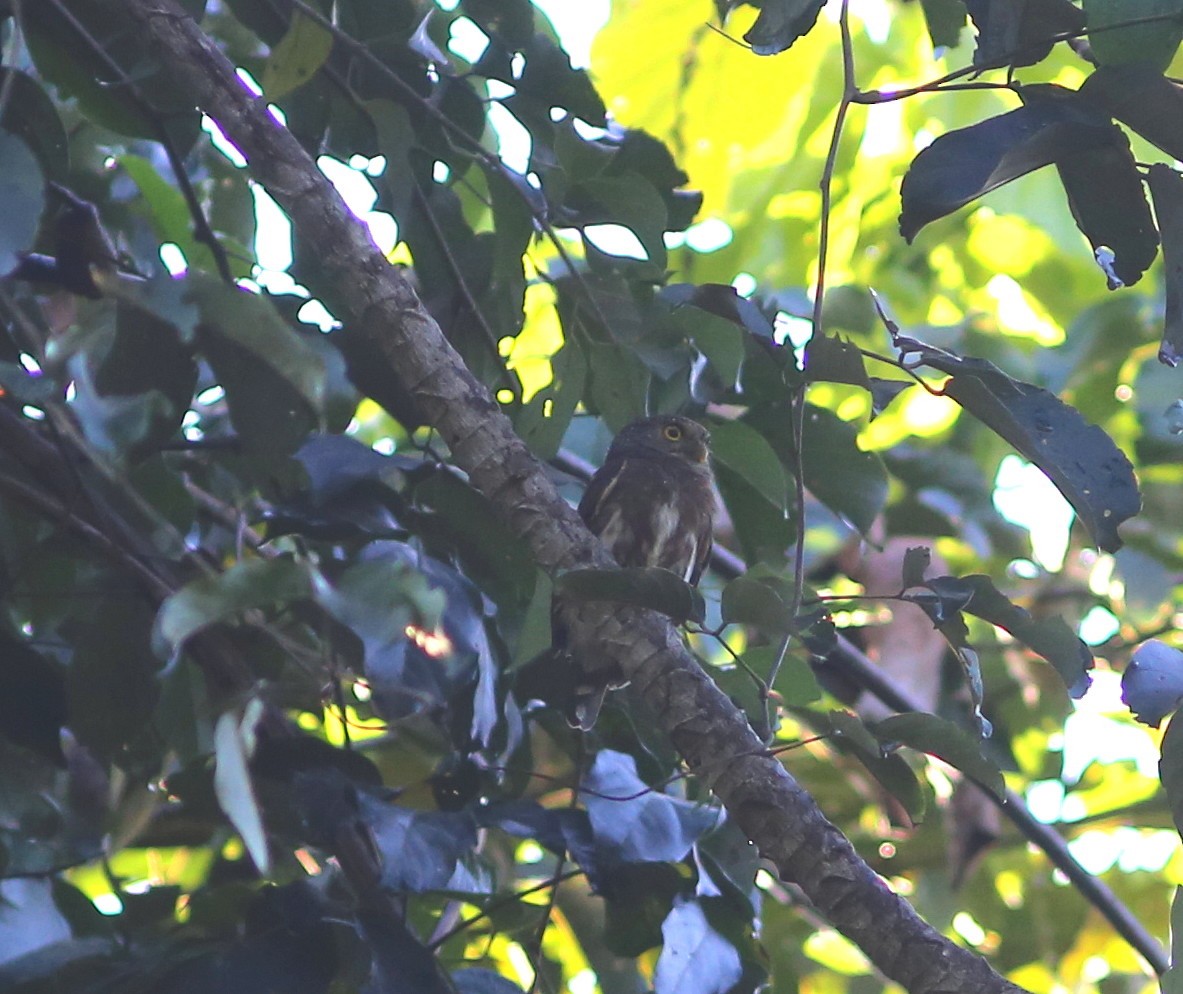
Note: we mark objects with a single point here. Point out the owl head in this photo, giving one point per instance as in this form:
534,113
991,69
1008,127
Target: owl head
666,434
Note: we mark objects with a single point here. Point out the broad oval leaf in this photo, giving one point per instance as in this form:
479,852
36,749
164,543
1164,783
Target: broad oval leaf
253,583
1153,43
929,733
746,452
1083,462
966,163
1143,99
780,23
297,57
1166,189
22,191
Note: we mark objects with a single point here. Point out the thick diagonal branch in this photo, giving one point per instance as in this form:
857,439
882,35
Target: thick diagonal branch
710,733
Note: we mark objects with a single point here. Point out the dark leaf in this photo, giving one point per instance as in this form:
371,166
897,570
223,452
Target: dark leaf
1091,472
941,738
1051,637
31,116
543,420
780,23
111,685
1016,32
352,492
549,79
883,392
641,586
1170,770
916,563
637,899
1105,195
22,191
945,19
962,165
720,300
728,862
1152,684
1142,99
618,383
1172,981
888,768
831,359
763,530
32,699
1166,189
478,981
100,78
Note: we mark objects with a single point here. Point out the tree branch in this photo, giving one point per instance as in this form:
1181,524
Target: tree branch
711,734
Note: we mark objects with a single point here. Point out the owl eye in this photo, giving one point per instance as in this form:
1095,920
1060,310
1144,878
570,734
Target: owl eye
672,432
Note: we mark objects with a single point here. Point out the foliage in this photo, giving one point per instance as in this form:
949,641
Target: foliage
271,708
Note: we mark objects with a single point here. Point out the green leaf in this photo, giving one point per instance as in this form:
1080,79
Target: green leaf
233,744
275,381
748,600
888,768
849,481
618,383
1152,44
250,321
22,191
167,211
253,583
938,737
1051,638
300,53
641,586
114,98
795,683
747,453
945,19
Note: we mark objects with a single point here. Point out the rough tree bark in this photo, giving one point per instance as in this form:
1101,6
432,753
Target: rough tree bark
711,735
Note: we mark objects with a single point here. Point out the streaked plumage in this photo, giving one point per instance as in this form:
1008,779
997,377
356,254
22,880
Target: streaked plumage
652,504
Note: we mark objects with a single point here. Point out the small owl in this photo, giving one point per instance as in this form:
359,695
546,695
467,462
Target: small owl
652,504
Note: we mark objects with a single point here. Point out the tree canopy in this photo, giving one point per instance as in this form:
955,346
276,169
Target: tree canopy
280,531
